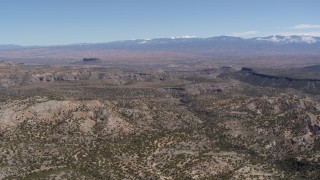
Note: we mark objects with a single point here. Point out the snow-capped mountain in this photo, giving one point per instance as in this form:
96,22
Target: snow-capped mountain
192,43
289,39
275,39
183,37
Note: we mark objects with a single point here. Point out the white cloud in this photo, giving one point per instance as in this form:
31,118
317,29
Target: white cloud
311,33
307,26
245,34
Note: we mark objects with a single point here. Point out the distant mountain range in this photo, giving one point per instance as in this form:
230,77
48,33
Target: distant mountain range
10,46
189,43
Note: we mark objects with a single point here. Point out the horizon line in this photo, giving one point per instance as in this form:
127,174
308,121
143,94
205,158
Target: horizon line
146,39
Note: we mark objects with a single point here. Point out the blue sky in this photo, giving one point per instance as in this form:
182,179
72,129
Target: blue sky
49,22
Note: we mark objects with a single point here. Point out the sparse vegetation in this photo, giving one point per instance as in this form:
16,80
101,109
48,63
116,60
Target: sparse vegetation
140,125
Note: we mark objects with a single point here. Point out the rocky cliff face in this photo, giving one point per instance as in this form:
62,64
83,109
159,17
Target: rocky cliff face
259,79
27,78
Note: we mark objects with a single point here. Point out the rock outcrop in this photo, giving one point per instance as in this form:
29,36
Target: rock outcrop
249,76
